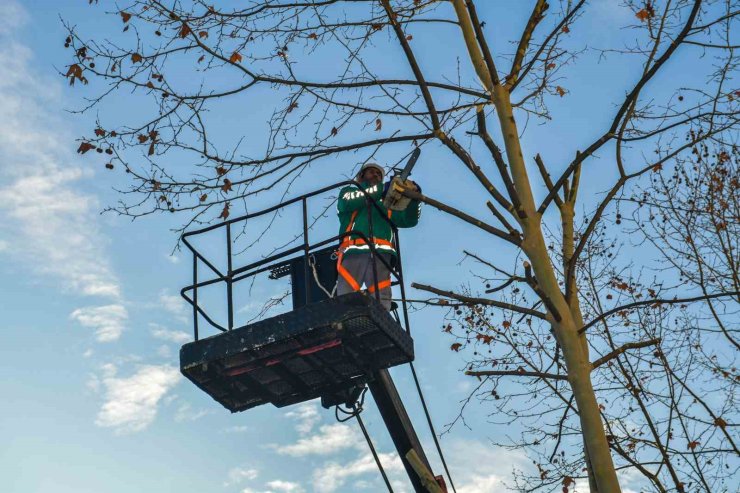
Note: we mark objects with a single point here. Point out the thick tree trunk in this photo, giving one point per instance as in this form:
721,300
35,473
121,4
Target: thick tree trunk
566,329
567,209
567,322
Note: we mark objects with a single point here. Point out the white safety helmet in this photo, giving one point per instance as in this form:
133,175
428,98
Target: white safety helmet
370,165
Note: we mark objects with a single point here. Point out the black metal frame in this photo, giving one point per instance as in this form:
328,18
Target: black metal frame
234,275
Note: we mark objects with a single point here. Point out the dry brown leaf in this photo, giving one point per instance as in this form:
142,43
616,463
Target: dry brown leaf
84,147
185,30
225,211
75,73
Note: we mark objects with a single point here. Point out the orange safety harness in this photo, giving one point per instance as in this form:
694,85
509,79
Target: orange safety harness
346,242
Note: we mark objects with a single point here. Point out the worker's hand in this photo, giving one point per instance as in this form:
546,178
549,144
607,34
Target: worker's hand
410,185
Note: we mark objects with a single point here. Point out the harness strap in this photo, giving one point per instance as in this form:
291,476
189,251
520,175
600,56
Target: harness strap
340,268
361,241
381,285
345,273
348,242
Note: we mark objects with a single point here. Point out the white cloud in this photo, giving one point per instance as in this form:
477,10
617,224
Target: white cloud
14,16
464,386
632,480
107,320
307,415
56,226
236,429
332,476
399,486
476,467
277,486
237,475
329,439
174,304
285,486
165,334
173,259
53,227
479,467
164,351
131,403
93,383
186,413
482,484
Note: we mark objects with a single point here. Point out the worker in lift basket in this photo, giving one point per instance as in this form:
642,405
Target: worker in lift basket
354,264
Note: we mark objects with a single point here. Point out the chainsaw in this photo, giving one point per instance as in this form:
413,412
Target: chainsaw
394,198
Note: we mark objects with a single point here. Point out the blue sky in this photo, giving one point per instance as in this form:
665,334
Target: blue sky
93,398
91,391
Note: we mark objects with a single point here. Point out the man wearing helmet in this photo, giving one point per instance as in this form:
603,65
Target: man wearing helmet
354,263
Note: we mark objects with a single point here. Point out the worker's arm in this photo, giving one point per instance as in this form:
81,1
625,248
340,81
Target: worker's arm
352,199
409,217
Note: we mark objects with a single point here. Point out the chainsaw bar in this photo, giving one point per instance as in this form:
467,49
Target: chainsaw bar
410,164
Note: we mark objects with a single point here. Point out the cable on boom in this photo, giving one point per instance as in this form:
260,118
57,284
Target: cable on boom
354,410
431,427
375,454
428,416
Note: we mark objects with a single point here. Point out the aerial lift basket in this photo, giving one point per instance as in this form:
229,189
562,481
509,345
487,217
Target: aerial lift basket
319,349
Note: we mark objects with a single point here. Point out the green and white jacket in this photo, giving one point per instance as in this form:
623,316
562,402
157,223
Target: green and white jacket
353,216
